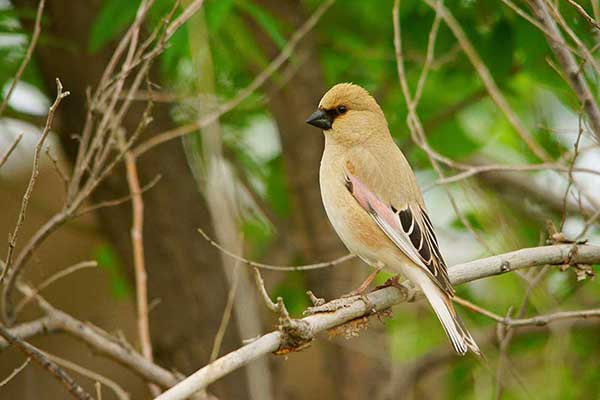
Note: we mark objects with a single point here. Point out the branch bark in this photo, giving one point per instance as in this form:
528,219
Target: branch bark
381,300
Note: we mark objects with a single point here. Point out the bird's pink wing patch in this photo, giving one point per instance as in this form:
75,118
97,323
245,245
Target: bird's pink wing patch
385,216
409,228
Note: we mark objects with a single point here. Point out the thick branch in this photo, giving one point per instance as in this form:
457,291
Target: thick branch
107,345
30,329
380,300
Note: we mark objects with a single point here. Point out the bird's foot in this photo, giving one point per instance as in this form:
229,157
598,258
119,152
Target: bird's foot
345,300
394,281
408,288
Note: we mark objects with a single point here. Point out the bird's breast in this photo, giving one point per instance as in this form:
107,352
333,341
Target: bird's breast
353,224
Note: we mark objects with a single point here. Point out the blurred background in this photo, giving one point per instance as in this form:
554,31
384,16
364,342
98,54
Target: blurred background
250,180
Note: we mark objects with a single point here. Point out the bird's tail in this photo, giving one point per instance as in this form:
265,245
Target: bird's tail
461,339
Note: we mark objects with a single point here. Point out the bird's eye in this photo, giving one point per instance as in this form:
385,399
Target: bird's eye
342,109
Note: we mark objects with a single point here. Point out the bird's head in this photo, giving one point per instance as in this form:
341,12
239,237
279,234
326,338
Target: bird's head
348,114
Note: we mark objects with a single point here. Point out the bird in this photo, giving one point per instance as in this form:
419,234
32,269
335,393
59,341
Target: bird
372,199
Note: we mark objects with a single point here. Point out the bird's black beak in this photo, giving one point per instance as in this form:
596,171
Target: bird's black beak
320,119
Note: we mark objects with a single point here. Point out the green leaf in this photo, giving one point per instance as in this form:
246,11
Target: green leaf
216,12
293,293
108,260
473,220
276,188
111,21
258,234
452,141
499,51
177,52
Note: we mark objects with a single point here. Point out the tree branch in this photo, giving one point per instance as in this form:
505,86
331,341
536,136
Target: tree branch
37,29
381,300
58,373
487,79
569,64
258,81
12,147
12,242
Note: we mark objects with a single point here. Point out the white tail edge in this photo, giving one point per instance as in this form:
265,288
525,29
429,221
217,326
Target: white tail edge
461,339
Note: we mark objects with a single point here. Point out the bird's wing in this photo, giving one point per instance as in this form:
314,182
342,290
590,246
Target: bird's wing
409,228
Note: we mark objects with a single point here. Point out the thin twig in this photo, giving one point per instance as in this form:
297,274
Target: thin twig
487,79
226,318
62,174
271,267
12,147
538,320
117,201
260,285
137,241
12,242
584,14
101,342
243,94
59,275
570,172
416,127
474,170
58,373
100,379
584,51
15,372
429,57
37,29
568,64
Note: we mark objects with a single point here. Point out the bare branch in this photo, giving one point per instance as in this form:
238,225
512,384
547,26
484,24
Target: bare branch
243,94
416,127
26,330
487,79
15,372
12,147
271,267
59,275
381,300
37,29
568,64
73,387
62,174
117,390
538,320
117,201
216,348
105,344
584,14
137,241
12,242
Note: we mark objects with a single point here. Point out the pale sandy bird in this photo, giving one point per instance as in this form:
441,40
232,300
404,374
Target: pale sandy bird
372,199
